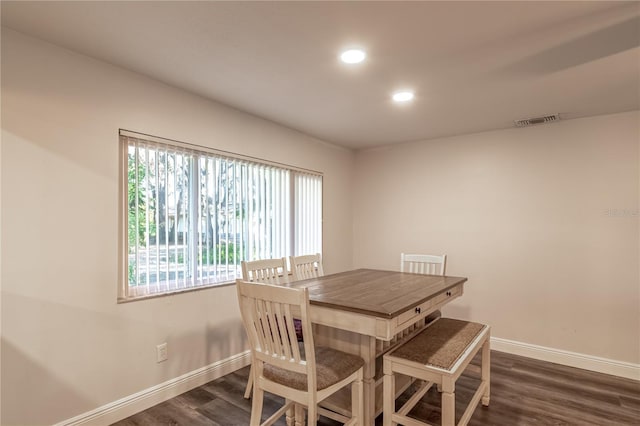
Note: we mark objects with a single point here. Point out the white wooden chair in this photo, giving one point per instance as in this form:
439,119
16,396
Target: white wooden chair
423,264
268,271
300,372
437,355
303,267
427,264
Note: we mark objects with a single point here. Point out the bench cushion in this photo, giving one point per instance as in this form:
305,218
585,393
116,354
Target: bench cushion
441,344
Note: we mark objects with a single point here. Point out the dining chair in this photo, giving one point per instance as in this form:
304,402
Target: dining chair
300,372
308,266
303,267
423,264
268,271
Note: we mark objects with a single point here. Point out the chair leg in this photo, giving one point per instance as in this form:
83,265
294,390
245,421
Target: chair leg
247,391
388,399
312,413
486,371
290,413
299,410
357,399
256,406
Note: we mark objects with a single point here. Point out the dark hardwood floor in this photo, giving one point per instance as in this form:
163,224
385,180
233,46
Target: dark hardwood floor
523,392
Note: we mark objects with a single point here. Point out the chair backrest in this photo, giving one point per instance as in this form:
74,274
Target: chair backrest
269,271
267,313
423,264
309,266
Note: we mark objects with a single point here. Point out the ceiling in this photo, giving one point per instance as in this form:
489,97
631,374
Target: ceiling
474,66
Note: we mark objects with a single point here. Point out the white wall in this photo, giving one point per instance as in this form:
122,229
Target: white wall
525,214
67,347
521,212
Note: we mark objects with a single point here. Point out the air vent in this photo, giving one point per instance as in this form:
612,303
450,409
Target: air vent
537,120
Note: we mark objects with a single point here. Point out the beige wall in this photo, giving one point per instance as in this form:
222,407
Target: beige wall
67,347
526,215
521,212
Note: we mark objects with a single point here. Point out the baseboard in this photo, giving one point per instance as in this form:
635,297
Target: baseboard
127,406
147,398
571,359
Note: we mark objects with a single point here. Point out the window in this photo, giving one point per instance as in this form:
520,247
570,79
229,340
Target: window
192,214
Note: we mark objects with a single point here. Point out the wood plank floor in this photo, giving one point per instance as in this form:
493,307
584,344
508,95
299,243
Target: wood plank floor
523,392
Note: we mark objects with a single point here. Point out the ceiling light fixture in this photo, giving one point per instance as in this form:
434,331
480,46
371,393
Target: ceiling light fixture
403,96
353,56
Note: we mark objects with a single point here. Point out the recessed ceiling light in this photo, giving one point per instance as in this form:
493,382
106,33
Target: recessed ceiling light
353,56
403,96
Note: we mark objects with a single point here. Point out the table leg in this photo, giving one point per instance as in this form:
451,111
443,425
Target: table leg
359,344
368,353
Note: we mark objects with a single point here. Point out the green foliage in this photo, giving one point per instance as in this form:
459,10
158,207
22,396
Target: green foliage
136,196
172,256
224,253
132,272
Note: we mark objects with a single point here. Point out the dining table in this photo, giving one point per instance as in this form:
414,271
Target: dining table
369,312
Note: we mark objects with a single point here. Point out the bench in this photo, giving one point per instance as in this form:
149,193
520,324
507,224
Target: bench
437,355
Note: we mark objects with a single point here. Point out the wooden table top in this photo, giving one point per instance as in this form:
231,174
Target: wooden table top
383,294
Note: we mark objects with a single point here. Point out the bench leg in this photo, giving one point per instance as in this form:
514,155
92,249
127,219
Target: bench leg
448,402
486,371
388,399
448,408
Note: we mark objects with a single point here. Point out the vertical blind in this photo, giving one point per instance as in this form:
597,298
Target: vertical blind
194,215
308,214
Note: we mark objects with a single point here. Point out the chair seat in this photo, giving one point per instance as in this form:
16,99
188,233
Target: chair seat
331,365
441,344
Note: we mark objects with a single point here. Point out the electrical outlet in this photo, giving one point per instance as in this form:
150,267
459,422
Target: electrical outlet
161,352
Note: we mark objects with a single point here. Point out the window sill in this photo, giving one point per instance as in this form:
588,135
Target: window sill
174,292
